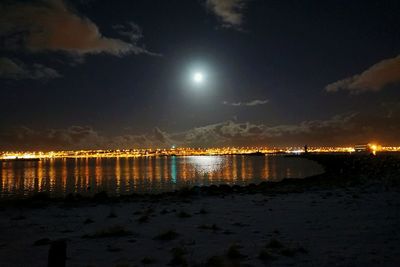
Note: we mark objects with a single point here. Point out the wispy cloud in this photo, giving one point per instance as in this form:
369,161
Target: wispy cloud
16,70
229,11
252,103
375,78
135,34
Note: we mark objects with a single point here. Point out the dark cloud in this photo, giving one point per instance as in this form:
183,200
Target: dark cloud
375,78
16,70
160,136
252,103
238,134
50,25
75,137
346,129
222,134
229,11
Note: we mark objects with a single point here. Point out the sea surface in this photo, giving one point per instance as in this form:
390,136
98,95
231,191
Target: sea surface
119,176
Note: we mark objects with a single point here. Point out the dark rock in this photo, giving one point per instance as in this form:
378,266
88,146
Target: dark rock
57,253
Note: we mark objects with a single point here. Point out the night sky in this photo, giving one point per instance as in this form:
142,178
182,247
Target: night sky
119,74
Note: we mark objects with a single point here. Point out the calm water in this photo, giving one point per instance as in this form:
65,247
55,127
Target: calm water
157,174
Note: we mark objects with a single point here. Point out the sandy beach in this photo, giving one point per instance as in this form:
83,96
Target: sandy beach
353,225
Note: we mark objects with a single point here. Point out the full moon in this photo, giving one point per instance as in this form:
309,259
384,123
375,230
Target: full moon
198,77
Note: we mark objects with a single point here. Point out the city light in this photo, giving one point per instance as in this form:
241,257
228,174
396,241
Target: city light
181,151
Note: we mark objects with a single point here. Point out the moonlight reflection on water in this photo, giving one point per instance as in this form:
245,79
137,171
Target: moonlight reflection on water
207,164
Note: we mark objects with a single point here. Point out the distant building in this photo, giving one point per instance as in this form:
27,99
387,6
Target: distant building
362,148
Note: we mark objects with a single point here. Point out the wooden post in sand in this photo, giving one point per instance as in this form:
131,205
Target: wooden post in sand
57,253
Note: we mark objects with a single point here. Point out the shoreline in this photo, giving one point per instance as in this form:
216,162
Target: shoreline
340,170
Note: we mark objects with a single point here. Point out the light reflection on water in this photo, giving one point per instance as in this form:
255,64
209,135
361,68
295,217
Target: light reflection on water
144,175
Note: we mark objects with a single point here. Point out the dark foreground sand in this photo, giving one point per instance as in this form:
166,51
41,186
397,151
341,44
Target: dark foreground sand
342,227
308,224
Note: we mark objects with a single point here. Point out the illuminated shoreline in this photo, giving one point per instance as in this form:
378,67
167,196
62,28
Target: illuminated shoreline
10,155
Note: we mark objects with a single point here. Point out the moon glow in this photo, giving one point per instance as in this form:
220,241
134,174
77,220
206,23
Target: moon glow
198,77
